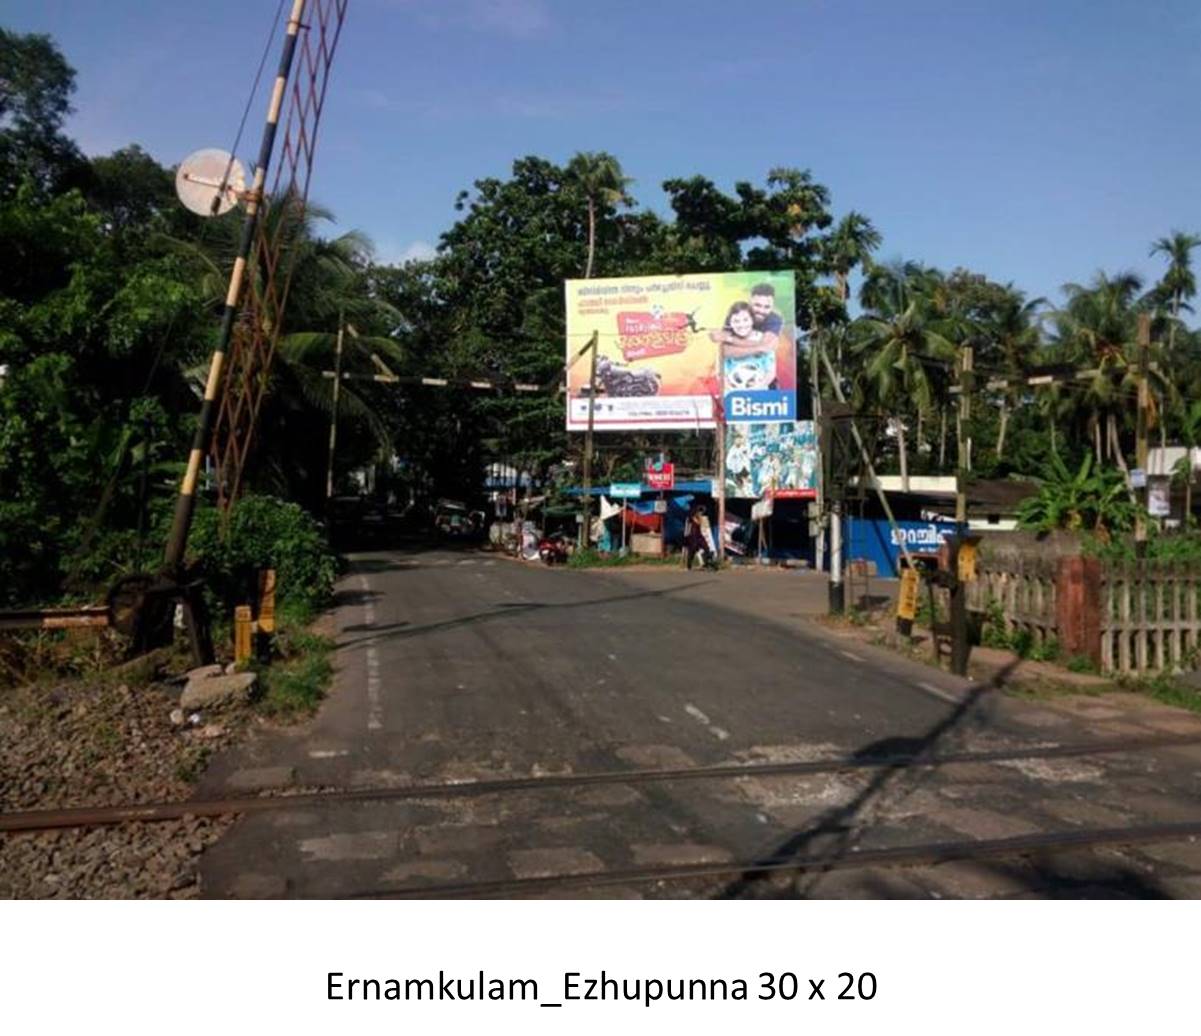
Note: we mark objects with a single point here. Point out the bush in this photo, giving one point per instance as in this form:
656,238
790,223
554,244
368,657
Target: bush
264,532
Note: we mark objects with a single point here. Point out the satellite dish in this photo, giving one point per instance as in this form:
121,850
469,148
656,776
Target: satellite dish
209,182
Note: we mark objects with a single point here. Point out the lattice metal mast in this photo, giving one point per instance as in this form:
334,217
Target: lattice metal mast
258,285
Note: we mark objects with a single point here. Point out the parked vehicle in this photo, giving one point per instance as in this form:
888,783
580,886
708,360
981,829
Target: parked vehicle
454,520
554,549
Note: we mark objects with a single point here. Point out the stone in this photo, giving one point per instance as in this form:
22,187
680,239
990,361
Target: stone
212,730
208,691
177,717
205,671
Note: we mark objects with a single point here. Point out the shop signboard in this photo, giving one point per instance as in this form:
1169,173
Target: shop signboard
874,539
625,490
659,341
660,476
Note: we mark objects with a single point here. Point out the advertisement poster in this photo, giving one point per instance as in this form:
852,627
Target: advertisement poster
659,339
763,458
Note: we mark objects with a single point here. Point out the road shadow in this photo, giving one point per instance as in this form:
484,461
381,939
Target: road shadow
835,835
508,610
349,598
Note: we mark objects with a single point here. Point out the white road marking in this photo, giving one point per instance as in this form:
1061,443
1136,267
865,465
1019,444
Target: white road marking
938,692
375,709
707,723
328,753
466,561
851,655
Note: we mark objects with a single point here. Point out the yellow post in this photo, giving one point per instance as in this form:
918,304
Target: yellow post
967,562
267,601
242,629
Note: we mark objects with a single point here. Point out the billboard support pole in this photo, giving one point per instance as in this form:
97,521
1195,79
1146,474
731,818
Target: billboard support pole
721,451
586,531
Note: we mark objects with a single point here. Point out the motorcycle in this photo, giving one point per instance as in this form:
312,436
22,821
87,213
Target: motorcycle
554,549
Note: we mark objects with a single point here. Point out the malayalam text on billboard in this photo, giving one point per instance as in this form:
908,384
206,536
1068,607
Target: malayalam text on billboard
659,340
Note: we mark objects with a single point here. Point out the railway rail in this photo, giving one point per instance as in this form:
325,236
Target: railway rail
101,816
921,855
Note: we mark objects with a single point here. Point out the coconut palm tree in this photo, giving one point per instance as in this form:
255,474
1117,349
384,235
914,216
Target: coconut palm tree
895,375
1097,329
849,245
603,184
1015,334
1178,284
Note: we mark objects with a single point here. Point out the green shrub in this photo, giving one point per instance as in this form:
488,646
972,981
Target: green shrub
264,532
1080,664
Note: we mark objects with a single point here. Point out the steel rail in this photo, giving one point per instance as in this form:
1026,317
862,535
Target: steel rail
102,816
923,855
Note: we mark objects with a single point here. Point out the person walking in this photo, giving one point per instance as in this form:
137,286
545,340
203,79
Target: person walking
696,538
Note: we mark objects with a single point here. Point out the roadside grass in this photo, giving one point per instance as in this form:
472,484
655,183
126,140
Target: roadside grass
590,558
295,681
1164,689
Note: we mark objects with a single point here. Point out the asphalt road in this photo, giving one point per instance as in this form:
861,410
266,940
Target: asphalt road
459,666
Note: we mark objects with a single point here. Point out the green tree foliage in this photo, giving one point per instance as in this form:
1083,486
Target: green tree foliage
36,84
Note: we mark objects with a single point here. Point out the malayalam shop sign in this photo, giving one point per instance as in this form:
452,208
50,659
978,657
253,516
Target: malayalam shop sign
660,476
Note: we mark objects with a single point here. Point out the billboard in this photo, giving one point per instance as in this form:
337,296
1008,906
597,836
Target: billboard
660,339
771,458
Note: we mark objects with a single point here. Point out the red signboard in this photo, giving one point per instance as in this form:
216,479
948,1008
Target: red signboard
660,476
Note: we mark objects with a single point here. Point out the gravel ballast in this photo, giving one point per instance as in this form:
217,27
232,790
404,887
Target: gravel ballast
106,743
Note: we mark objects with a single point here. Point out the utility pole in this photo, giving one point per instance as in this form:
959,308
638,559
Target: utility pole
965,442
959,646
837,593
586,531
1144,405
333,417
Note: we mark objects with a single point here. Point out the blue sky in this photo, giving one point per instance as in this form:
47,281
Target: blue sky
1032,141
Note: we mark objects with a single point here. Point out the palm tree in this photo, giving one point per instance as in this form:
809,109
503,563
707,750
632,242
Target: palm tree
895,373
849,245
603,184
1014,331
326,286
1097,329
1178,284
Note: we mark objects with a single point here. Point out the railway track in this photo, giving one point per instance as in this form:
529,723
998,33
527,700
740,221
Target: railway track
102,816
921,855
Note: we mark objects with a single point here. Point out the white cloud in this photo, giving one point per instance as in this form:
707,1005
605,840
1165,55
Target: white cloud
389,253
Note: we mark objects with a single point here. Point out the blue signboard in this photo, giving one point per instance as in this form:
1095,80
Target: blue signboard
759,406
873,539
